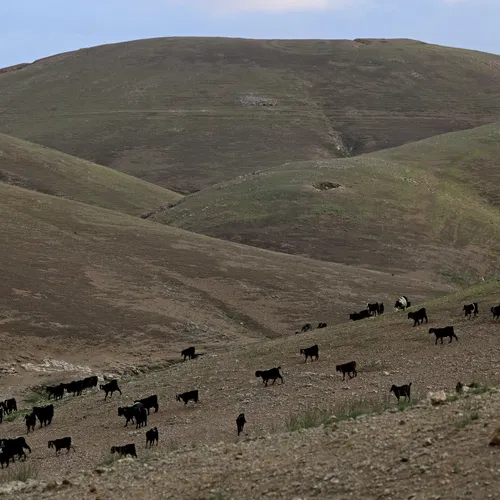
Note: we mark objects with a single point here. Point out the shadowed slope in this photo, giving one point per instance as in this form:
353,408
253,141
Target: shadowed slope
179,111
42,169
430,206
86,277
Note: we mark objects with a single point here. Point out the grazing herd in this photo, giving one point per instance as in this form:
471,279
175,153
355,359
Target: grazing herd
137,413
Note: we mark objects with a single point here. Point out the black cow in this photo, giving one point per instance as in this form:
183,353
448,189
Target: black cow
110,387
496,312
188,353
10,405
418,316
271,374
469,309
187,396
151,437
240,423
127,449
89,382
402,303
374,308
61,443
347,368
381,308
45,414
401,391
322,325
309,352
55,391
135,411
75,387
441,333
356,316
10,447
149,402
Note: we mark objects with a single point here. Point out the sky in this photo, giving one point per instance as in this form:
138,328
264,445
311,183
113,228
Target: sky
32,29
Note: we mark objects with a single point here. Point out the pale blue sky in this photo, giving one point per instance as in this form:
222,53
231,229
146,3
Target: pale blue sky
31,29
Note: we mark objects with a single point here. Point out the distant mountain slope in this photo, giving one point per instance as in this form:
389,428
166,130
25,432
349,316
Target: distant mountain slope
42,169
186,113
430,206
101,285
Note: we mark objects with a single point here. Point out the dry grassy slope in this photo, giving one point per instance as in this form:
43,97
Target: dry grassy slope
433,205
99,283
168,109
387,349
42,169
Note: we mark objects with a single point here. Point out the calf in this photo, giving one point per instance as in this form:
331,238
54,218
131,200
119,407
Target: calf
441,333
271,374
10,405
401,391
61,443
188,353
149,402
322,325
127,449
381,308
418,316
110,387
402,303
309,352
347,368
469,309
187,396
373,308
151,437
30,421
240,422
55,391
45,414
496,312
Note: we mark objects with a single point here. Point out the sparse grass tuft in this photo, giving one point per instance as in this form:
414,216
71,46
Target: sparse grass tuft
309,419
20,471
470,416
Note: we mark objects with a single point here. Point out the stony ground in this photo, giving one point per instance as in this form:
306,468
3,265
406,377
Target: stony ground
200,441
421,452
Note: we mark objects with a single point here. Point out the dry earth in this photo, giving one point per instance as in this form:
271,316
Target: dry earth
387,349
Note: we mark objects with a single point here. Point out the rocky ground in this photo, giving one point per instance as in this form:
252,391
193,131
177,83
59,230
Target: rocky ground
420,452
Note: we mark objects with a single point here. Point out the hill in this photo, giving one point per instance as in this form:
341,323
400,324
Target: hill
48,171
431,207
109,288
186,113
202,437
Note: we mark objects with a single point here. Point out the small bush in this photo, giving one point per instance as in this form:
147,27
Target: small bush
111,458
20,471
309,419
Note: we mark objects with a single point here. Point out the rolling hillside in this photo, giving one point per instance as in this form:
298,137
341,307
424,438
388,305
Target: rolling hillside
179,112
387,350
104,286
432,206
48,171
